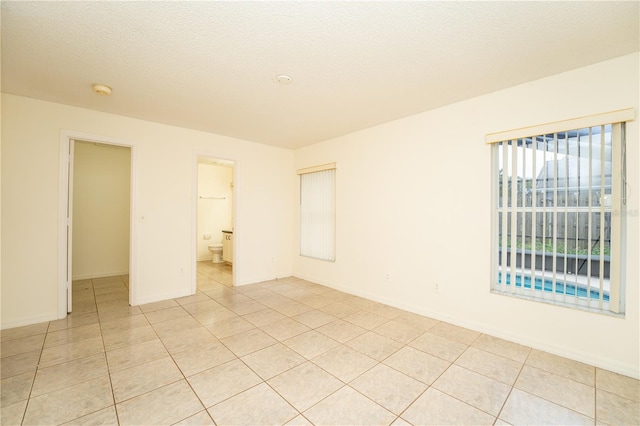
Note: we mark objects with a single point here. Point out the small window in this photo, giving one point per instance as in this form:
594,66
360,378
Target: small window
557,224
318,212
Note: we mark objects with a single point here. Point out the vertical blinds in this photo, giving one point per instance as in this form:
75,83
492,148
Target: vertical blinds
557,231
318,212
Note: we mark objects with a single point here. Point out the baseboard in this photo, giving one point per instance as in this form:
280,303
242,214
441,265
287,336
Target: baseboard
629,370
261,278
162,297
93,276
21,322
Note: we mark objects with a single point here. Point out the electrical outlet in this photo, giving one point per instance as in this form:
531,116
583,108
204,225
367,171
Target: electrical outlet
388,276
436,287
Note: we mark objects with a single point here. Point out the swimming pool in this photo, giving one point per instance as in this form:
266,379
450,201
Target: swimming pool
570,289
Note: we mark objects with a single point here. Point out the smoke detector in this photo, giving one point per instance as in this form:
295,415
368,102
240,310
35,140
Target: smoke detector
102,89
284,79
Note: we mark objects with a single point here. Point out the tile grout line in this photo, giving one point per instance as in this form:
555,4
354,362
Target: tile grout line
451,363
595,396
113,393
236,358
513,385
429,386
38,367
554,402
35,374
172,360
340,344
184,377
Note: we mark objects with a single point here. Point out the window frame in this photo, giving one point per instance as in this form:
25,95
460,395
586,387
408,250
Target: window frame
616,302
323,244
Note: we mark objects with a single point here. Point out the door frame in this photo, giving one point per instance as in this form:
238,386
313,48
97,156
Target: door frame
194,215
65,215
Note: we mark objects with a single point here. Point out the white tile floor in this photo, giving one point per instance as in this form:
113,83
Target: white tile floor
286,352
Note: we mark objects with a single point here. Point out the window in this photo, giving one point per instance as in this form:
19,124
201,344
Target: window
559,207
318,212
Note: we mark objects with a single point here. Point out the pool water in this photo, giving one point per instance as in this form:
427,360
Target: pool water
570,289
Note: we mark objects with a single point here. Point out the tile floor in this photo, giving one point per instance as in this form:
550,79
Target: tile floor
286,352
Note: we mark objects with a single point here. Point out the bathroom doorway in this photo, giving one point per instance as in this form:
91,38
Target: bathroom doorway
215,222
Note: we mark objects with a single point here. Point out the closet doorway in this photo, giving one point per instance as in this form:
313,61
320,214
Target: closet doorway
95,223
101,221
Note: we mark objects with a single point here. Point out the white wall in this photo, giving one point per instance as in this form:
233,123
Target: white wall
414,202
164,169
214,215
101,191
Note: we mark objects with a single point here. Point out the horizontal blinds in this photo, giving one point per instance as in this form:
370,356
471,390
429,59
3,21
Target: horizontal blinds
618,116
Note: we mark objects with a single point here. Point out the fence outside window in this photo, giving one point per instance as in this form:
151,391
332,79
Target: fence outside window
557,216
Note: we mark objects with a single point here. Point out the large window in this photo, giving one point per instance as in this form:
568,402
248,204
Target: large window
559,211
318,212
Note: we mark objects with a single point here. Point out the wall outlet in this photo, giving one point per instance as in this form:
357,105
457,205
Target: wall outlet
436,287
388,276
206,237
180,271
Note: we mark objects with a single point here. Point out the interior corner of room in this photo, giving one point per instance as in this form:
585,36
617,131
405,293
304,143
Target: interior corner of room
412,209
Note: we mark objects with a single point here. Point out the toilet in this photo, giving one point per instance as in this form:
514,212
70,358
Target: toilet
216,249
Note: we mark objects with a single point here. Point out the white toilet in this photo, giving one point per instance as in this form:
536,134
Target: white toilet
216,249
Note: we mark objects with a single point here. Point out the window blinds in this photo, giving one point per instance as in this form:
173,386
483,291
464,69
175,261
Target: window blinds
557,231
318,212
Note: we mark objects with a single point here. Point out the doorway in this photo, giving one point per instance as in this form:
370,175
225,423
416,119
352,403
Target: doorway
215,222
95,227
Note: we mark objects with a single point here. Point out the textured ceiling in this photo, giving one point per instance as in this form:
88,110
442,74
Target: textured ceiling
212,66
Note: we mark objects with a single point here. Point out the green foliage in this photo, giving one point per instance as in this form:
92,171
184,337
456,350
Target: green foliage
560,247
